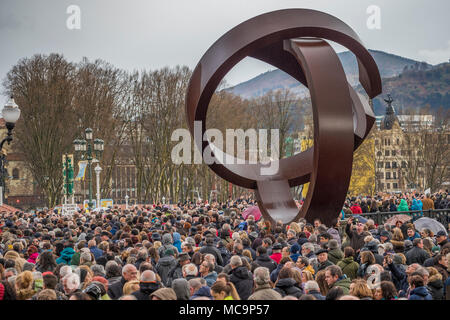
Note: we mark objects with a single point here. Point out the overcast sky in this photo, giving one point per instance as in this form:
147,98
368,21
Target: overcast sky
150,34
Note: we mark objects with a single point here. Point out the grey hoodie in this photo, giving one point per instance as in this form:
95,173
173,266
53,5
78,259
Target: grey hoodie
167,243
181,288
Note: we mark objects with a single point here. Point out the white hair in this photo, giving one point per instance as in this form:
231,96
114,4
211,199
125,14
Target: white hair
190,269
235,261
261,275
72,281
64,271
311,285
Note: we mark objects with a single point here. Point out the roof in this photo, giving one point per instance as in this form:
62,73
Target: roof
8,208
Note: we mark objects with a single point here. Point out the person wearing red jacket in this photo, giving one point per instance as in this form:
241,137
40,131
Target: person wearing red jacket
356,209
276,252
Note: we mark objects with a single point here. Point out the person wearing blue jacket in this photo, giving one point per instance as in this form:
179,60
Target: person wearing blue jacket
418,289
415,206
177,241
66,254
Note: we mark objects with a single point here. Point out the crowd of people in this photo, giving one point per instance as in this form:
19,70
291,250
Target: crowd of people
201,251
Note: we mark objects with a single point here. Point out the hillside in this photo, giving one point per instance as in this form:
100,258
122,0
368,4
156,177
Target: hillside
389,65
414,89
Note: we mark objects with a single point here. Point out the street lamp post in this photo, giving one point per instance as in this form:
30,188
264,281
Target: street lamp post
126,201
10,114
84,148
98,169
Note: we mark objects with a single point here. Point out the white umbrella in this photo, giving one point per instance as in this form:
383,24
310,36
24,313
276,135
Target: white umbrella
429,223
100,209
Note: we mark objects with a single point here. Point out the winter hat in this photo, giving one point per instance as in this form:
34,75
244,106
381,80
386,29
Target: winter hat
28,266
385,233
408,244
333,244
181,288
164,294
94,289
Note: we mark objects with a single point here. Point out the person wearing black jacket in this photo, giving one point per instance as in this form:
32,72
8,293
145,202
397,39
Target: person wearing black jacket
286,285
417,254
147,285
210,248
129,272
263,260
356,235
241,277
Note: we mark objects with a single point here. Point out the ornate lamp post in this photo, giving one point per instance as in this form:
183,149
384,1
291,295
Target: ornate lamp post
10,114
97,170
126,201
85,148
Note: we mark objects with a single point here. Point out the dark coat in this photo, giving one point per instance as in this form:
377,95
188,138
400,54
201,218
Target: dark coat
145,290
287,287
175,273
436,288
420,293
442,270
265,261
163,267
243,281
316,294
209,248
115,291
399,278
416,255
323,265
356,240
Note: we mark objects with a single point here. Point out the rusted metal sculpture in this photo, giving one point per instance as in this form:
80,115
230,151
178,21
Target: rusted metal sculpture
293,40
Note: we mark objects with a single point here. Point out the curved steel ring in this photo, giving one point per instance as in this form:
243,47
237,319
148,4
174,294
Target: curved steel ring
293,41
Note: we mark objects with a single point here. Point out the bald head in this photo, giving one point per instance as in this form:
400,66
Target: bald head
148,276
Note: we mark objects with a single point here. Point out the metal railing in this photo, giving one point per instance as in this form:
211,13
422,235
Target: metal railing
441,215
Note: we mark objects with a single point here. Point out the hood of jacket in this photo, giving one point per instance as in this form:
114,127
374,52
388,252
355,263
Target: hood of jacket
420,291
347,260
67,253
181,288
203,292
286,283
176,237
167,238
436,283
242,273
336,253
148,287
167,260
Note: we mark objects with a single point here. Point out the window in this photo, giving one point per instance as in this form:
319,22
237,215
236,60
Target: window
404,164
398,141
380,164
394,164
386,153
388,185
393,153
395,186
379,154
15,174
388,164
388,175
394,175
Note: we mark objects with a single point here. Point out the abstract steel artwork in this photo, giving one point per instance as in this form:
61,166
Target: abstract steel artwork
294,40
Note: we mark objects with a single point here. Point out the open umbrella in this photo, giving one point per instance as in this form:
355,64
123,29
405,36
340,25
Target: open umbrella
398,217
360,218
252,211
429,223
100,209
